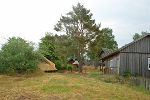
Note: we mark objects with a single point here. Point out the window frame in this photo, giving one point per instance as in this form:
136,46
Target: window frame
111,63
148,63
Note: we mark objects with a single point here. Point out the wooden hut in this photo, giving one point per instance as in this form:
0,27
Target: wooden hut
73,62
47,66
134,56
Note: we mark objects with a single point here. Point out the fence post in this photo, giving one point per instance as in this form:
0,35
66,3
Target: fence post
147,83
142,83
138,81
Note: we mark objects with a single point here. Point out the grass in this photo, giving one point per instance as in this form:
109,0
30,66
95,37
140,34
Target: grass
63,86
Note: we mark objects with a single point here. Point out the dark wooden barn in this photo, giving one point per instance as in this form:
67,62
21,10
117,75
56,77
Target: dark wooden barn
134,56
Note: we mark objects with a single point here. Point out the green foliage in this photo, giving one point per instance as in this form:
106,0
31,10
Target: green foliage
69,67
136,35
58,64
117,77
17,56
64,47
47,49
127,73
137,74
64,67
104,40
80,28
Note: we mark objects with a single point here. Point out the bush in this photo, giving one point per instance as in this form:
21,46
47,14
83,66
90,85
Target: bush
64,67
17,56
58,64
69,67
127,73
137,74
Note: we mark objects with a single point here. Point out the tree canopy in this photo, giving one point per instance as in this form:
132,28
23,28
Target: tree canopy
108,41
136,35
47,49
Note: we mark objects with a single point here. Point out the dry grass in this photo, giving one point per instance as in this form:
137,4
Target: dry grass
91,67
64,86
98,68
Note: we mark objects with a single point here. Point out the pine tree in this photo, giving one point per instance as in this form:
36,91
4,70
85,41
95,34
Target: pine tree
80,27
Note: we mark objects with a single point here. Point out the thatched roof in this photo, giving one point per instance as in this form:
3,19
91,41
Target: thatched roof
47,65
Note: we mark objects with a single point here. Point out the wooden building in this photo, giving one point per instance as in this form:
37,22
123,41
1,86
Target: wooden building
134,56
73,62
104,52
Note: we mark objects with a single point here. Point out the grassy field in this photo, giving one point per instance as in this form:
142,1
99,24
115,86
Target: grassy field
68,86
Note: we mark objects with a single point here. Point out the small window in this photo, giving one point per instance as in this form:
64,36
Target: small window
148,63
111,63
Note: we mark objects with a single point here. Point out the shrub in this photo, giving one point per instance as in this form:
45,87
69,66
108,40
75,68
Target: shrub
137,74
58,64
69,67
127,73
64,67
18,55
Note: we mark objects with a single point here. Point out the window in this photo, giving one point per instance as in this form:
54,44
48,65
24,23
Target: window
118,62
111,63
148,63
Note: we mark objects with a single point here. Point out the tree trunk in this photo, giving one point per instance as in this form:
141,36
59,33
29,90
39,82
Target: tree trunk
80,57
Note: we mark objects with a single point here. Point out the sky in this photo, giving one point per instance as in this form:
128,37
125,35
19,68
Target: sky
30,19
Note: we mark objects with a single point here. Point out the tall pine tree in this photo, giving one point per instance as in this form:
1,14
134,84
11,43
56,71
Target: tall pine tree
80,27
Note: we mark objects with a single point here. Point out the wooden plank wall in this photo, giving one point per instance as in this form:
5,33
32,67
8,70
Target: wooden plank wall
135,62
141,46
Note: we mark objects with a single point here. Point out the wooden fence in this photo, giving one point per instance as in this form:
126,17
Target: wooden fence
138,81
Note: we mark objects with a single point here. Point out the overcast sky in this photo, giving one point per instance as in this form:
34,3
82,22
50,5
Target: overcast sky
30,19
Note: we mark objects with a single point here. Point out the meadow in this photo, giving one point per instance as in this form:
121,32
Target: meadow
69,86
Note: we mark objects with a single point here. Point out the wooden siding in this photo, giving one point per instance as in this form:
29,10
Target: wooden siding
114,69
114,58
141,46
135,62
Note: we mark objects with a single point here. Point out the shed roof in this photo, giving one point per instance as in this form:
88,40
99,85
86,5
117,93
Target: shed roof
123,47
76,62
70,60
106,51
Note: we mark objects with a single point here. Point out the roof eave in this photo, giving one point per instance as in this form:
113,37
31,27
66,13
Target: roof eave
115,52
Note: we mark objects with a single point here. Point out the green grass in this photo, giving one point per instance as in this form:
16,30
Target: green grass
63,86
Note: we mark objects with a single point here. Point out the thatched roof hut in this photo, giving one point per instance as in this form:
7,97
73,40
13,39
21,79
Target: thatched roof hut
47,65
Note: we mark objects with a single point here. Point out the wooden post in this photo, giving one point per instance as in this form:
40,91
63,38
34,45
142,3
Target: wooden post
102,68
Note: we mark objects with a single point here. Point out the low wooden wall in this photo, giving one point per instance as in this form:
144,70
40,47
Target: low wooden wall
112,70
143,82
